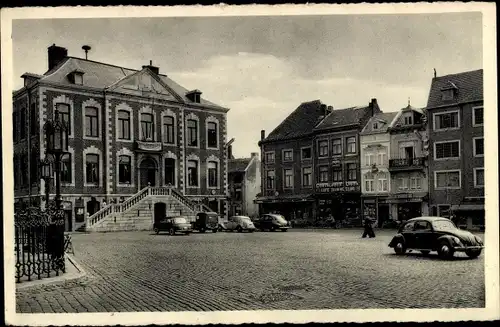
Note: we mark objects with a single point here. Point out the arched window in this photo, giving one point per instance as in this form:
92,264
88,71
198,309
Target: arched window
124,170
169,171
64,114
192,170
123,125
192,128
212,174
168,130
92,168
91,122
147,127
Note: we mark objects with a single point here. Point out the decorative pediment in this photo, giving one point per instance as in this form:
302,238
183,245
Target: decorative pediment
143,83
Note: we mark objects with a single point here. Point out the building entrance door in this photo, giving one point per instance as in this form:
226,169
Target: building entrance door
160,211
383,214
147,173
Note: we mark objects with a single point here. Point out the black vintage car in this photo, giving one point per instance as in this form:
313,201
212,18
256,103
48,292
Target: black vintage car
206,221
426,234
173,225
271,222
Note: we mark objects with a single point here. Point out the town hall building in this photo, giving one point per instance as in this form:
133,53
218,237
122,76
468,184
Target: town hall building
128,130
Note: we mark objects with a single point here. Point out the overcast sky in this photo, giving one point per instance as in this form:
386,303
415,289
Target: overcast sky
262,68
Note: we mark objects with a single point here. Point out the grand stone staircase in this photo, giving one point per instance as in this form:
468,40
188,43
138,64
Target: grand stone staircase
137,212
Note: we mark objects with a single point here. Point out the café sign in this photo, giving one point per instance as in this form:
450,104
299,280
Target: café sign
337,187
149,146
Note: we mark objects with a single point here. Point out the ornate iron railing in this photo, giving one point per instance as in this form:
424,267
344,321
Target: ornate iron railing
39,243
406,163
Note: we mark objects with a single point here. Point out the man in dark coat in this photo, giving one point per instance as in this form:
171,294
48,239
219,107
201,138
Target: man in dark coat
368,228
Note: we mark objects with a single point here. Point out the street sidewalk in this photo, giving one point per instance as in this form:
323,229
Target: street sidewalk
73,271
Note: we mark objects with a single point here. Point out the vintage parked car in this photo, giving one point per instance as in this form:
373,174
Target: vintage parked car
272,222
173,225
426,234
238,223
206,221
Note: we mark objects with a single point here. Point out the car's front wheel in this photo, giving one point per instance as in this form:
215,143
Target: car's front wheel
400,247
214,230
473,253
445,250
171,232
284,230
239,229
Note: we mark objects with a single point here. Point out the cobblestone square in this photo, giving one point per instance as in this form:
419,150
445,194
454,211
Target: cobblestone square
297,270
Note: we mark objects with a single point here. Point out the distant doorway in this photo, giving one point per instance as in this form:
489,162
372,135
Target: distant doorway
147,173
93,206
383,214
160,210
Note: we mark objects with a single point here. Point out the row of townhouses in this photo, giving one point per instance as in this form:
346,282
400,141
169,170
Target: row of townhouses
128,130
361,162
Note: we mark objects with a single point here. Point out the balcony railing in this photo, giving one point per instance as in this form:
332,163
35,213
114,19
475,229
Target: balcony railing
406,163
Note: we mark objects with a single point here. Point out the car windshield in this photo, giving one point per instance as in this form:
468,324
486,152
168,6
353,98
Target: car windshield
443,225
280,219
180,220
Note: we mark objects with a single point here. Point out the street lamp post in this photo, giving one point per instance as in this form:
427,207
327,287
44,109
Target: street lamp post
46,174
57,146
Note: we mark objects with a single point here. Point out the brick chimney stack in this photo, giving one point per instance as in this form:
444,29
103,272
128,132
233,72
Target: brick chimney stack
56,55
262,135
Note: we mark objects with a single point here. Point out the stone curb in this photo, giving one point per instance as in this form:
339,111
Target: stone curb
80,272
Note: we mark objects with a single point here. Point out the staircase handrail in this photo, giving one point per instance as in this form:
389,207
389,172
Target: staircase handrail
121,207
100,214
181,198
206,208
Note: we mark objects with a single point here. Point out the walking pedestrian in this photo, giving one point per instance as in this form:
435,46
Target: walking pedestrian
368,231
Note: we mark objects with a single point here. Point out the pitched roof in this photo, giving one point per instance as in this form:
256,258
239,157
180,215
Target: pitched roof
101,75
299,123
469,87
385,117
238,165
343,117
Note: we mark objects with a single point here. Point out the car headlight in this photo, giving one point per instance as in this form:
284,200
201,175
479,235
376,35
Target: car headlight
478,240
456,240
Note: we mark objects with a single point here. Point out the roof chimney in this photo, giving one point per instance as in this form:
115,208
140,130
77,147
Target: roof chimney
262,135
255,154
435,73
374,106
324,108
330,108
86,48
56,55
154,69
230,152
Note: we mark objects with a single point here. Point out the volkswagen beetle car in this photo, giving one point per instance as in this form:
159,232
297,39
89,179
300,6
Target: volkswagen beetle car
272,222
426,234
238,223
173,225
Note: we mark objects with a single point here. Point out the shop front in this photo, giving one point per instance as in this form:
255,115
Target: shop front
406,206
376,208
297,207
469,214
339,200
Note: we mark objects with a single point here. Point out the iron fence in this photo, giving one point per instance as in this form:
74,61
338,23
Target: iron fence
39,243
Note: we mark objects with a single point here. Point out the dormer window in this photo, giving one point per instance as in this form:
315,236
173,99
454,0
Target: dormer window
448,93
76,77
408,119
194,96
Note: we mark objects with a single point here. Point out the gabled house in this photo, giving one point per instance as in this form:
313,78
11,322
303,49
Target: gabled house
337,162
456,161
375,145
311,162
408,164
128,130
244,180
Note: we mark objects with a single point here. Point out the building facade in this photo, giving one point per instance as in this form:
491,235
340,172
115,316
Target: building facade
128,129
311,166
375,145
244,180
455,111
408,165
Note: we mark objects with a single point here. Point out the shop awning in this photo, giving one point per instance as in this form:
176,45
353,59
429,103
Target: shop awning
467,207
284,198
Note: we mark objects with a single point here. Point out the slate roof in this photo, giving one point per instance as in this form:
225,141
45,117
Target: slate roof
469,86
101,75
386,117
343,117
238,165
299,123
